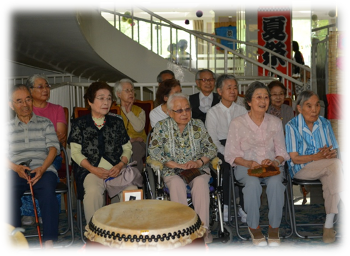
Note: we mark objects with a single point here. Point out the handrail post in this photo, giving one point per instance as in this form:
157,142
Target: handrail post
114,17
151,33
132,24
225,61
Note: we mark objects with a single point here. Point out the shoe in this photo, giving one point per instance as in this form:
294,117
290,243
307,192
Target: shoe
52,251
257,237
28,220
225,212
208,237
242,214
329,235
273,238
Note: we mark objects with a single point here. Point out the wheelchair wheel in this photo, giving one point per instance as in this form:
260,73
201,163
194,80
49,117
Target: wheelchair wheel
149,183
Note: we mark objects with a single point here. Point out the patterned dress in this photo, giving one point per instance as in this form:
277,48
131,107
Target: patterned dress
169,144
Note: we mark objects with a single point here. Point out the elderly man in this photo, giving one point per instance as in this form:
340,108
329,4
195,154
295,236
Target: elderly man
32,137
201,102
164,75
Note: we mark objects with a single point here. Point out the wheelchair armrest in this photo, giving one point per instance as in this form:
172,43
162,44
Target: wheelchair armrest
155,165
216,162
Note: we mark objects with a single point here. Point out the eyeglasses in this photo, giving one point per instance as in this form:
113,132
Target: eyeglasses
109,99
41,87
180,111
21,102
207,80
277,95
129,90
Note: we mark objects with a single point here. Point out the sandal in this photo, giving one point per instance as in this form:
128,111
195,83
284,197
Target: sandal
257,237
273,237
329,235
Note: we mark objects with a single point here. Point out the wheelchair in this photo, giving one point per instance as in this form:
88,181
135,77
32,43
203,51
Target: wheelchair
154,188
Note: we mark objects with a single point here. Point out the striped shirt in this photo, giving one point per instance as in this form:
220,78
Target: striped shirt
300,139
31,141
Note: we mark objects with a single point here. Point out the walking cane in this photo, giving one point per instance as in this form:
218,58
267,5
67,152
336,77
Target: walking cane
33,199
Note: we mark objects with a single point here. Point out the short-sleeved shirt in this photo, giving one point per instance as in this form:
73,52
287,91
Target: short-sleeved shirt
218,121
252,142
32,141
53,112
169,144
300,139
156,115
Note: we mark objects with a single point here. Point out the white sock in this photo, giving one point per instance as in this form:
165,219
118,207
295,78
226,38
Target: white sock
329,220
345,199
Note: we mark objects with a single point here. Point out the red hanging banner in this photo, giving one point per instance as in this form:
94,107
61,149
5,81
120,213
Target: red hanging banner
274,33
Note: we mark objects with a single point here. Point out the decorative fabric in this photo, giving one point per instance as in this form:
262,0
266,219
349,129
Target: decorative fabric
334,108
169,144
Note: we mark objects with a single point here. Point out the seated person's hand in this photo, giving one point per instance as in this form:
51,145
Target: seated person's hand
21,171
38,174
115,170
253,164
191,164
100,172
328,152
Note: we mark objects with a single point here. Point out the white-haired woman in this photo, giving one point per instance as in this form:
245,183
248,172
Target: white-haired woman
134,119
181,143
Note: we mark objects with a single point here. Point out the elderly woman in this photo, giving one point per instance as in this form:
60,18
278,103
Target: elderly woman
255,139
277,108
100,147
134,119
165,89
180,142
312,147
40,91
217,122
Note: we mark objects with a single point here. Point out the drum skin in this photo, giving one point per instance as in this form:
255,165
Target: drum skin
145,225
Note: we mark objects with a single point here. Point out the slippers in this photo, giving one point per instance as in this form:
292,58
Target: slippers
52,251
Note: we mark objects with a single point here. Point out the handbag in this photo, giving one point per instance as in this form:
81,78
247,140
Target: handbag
263,171
129,175
188,175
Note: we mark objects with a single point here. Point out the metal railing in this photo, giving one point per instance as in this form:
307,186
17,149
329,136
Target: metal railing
204,50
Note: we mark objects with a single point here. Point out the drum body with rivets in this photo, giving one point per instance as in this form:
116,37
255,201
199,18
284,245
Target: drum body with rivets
145,226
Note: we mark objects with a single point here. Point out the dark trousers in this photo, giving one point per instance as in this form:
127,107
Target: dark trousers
44,192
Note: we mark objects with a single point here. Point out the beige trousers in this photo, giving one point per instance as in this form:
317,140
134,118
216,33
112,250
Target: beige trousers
94,195
199,190
330,173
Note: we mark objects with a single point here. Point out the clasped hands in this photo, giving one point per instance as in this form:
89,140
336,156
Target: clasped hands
23,170
254,164
326,152
103,173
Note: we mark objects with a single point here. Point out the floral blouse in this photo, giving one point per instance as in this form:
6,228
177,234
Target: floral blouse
169,144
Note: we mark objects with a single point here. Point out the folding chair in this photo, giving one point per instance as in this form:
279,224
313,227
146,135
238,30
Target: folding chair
64,188
298,182
233,183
